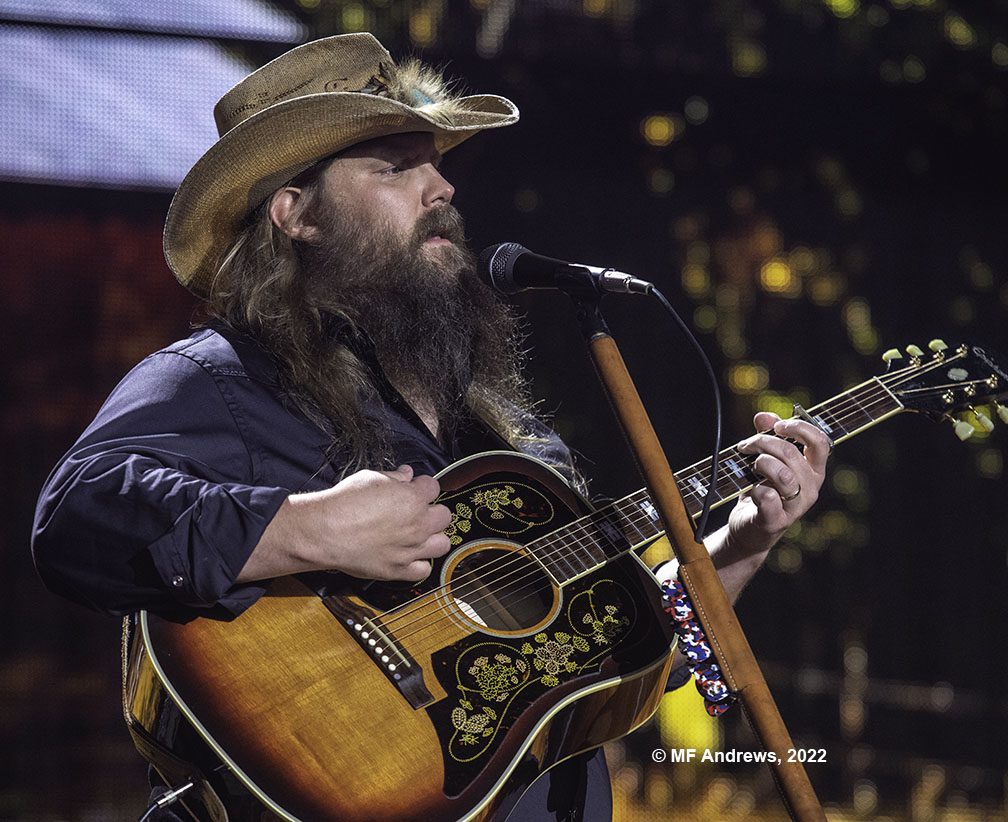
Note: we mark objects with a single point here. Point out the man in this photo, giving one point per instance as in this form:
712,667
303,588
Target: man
349,354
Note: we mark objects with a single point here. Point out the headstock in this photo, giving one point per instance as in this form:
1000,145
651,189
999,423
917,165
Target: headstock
947,382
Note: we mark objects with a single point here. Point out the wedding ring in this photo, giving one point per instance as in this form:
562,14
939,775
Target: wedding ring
790,497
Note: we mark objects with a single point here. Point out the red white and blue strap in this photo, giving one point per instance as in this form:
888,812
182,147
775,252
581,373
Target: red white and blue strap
694,646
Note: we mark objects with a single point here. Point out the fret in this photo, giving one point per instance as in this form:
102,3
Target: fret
611,531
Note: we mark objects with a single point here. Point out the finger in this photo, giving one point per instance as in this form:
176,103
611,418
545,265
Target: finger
437,518
778,475
784,451
436,545
816,443
765,421
426,487
418,570
404,473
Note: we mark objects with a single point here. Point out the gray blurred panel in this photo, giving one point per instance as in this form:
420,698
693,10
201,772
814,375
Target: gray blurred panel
232,19
107,110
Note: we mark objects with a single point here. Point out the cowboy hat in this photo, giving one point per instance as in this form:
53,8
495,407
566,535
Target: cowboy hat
305,105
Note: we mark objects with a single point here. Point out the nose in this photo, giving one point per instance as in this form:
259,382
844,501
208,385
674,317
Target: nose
437,190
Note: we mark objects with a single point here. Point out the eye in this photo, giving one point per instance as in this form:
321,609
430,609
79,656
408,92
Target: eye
393,170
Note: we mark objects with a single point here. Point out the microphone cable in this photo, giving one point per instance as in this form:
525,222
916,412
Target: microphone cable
716,455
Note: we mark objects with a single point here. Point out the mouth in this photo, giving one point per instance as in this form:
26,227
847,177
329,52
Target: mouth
437,239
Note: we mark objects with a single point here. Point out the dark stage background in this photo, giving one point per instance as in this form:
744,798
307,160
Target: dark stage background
810,182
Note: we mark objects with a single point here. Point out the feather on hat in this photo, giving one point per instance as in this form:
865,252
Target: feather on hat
305,105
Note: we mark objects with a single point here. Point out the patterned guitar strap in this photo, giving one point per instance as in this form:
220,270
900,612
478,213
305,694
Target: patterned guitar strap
694,646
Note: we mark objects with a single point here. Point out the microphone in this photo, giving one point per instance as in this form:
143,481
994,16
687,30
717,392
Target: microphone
510,268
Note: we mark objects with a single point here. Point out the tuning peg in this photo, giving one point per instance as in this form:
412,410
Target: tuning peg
985,422
890,355
1002,412
914,351
937,346
963,429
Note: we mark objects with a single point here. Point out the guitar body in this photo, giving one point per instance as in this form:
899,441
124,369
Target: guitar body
336,699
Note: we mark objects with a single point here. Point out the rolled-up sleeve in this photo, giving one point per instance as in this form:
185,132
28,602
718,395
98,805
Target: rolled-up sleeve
157,505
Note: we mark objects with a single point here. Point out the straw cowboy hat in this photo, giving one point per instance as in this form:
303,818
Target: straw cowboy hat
305,105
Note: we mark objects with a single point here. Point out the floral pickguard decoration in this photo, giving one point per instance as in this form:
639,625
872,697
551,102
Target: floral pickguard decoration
490,675
497,507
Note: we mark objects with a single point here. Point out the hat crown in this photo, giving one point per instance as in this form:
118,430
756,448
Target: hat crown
345,62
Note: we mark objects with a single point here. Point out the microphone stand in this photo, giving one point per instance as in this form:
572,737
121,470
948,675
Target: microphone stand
696,570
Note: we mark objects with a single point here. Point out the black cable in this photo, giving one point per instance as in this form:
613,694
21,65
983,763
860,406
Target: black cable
716,456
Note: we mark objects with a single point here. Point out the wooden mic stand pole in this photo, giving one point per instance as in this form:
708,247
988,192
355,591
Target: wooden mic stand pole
696,571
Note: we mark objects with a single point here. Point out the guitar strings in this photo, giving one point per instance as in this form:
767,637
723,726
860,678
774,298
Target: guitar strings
570,538
568,534
569,531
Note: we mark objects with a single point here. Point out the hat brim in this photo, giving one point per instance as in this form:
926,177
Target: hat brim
262,153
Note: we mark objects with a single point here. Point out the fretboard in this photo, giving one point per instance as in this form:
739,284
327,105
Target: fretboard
632,521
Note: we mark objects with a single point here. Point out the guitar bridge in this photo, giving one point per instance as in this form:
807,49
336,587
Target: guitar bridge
378,641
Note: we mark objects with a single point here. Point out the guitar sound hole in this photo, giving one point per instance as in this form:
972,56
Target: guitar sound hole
501,590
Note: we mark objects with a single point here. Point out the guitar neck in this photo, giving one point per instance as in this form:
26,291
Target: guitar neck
633,520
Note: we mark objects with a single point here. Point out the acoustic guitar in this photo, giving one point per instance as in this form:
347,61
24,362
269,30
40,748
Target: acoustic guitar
538,636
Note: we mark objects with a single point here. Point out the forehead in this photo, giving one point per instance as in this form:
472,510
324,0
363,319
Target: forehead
411,143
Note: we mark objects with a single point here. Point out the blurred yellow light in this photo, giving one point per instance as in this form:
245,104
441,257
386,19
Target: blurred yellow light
705,318
748,58
698,252
422,27
696,110
748,377
526,200
900,4
990,463
479,5
775,403
308,4
865,341
789,559
354,17
857,314
829,171
661,181
825,289
802,259
660,129
865,799
913,70
595,8
696,280
999,54
727,296
848,481
958,31
962,310
731,342
835,524
848,203
843,8
981,276
890,72
877,16
777,277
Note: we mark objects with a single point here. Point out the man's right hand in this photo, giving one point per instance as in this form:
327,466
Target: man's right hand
373,525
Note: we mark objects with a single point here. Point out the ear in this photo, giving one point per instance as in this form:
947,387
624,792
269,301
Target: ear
285,214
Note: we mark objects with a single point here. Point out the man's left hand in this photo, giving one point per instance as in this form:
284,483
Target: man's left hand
792,480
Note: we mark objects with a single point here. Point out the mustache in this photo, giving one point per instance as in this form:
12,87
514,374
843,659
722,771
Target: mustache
443,221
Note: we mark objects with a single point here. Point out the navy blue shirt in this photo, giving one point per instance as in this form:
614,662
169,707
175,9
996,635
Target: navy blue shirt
165,495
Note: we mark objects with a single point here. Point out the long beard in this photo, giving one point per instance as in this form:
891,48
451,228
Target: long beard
436,328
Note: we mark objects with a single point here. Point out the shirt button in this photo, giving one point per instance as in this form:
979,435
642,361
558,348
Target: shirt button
177,581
